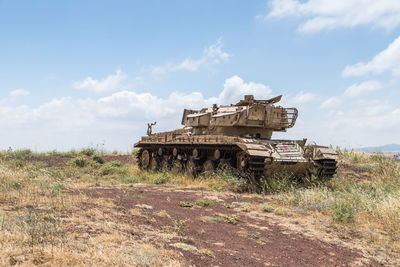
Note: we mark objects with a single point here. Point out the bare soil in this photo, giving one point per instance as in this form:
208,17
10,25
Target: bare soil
204,237
225,233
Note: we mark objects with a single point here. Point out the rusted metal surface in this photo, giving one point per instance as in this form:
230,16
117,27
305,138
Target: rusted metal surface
238,136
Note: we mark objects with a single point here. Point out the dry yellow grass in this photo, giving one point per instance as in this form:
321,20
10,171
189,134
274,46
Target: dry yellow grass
41,224
362,202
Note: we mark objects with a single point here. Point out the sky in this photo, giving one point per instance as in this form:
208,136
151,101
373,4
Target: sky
84,73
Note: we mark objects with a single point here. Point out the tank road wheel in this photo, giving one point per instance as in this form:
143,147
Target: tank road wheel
191,168
217,154
242,161
165,165
177,166
209,167
225,165
145,159
154,164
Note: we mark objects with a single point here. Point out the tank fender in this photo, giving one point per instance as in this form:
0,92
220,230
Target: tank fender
256,150
321,153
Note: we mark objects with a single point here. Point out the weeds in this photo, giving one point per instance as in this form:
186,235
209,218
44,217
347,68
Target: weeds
87,152
179,226
204,202
186,204
232,219
98,158
267,208
342,212
228,206
80,162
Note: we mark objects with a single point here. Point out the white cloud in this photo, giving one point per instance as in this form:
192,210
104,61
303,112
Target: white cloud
118,119
235,88
331,102
327,14
110,83
387,60
301,98
19,92
368,116
211,55
362,88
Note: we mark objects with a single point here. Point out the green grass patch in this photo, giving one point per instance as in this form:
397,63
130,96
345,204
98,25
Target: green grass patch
186,204
204,202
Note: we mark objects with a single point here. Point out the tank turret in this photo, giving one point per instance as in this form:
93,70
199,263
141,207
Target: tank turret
248,118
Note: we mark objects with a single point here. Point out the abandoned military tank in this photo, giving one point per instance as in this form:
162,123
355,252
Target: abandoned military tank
236,137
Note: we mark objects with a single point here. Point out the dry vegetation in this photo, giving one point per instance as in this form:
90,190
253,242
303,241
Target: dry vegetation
41,222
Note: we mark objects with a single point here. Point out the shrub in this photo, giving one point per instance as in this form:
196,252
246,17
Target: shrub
161,179
232,219
80,162
23,154
186,204
87,152
342,212
204,202
98,158
115,163
114,167
267,208
135,151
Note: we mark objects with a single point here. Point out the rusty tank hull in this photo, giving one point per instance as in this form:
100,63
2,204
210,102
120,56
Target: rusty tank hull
236,137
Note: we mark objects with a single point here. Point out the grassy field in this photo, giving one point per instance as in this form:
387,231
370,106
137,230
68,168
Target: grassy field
41,222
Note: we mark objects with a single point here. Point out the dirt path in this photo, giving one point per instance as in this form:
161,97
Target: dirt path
226,233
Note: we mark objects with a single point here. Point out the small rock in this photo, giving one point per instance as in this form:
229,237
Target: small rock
144,206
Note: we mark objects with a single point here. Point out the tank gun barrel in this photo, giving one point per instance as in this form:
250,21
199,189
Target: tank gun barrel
249,99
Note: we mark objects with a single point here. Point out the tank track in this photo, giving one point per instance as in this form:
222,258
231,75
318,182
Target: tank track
327,168
253,166
184,154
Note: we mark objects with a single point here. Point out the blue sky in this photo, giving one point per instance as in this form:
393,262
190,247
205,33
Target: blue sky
84,73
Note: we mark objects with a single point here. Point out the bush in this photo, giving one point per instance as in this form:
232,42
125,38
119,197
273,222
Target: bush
98,158
135,151
114,167
232,219
342,212
17,154
23,154
161,179
80,162
204,202
267,208
87,152
186,204
115,163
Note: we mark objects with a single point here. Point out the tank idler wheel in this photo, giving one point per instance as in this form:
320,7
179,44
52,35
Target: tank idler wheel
177,166
154,164
145,159
225,165
209,167
191,168
165,165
